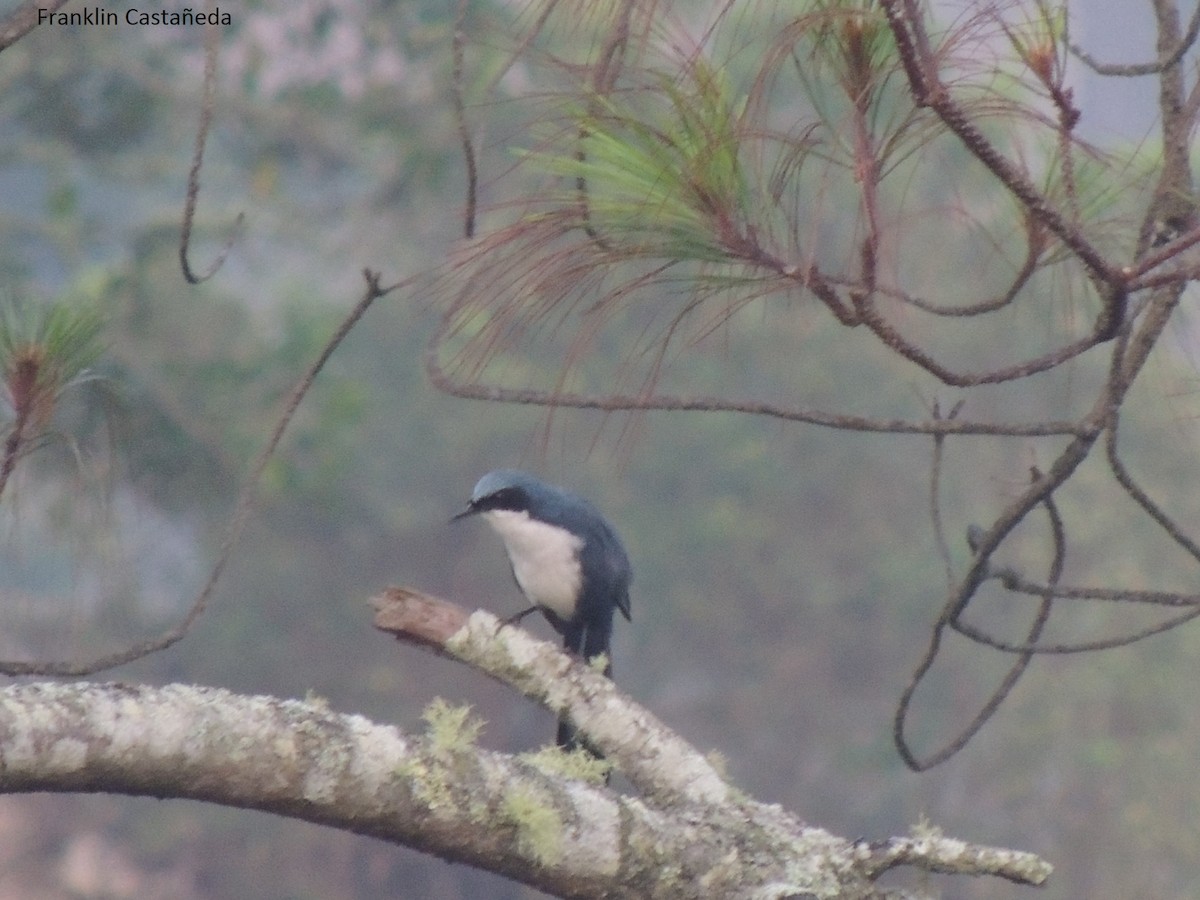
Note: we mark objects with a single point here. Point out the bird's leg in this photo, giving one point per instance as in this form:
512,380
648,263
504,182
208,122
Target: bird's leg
513,620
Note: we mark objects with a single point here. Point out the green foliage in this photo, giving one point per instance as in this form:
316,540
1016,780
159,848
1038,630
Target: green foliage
1039,40
450,728
850,45
539,826
577,763
662,182
45,349
60,341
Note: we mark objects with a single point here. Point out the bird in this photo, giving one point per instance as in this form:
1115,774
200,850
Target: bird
566,558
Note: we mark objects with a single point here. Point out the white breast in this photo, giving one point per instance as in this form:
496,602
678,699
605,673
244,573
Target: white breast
544,558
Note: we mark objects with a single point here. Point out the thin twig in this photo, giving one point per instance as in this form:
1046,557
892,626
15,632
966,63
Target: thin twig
212,36
1131,70
24,19
981,637
13,445
460,116
1152,509
473,390
1013,675
1035,247
935,501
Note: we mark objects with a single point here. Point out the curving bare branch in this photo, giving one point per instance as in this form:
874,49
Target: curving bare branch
474,390
1010,679
246,505
212,36
460,115
1170,58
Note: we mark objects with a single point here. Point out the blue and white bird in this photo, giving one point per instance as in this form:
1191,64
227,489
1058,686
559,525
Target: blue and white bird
566,558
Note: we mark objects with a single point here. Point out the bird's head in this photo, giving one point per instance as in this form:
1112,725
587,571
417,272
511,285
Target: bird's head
503,489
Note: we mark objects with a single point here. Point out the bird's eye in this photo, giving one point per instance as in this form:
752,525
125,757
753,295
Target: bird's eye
508,498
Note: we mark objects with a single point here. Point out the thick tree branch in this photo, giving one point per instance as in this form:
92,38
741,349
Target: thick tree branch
658,762
653,757
300,760
517,817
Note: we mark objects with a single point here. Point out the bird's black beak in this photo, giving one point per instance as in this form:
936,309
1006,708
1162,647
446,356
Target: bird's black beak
469,511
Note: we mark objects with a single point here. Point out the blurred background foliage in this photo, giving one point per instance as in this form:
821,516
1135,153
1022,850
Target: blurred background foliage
786,577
